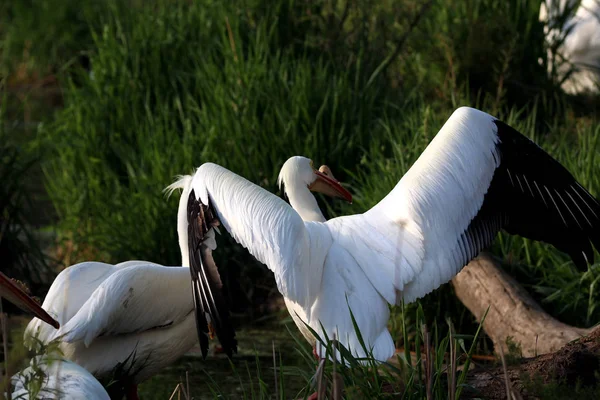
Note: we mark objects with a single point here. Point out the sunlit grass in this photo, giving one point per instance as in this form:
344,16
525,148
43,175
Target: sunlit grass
438,363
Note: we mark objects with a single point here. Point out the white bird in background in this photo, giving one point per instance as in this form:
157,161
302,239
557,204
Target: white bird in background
581,45
50,379
476,177
57,379
103,310
122,322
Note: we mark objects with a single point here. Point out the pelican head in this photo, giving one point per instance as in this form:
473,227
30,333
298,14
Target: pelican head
298,178
298,172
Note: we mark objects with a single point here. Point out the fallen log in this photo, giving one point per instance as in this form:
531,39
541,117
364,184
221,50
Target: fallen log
513,315
577,363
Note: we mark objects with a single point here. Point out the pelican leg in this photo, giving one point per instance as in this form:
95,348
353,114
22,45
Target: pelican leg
132,392
317,380
313,396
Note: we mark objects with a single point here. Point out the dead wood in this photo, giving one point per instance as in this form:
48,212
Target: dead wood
576,363
512,312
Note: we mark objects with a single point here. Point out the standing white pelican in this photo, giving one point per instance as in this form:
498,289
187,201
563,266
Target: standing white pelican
298,177
51,379
580,35
104,313
476,177
305,204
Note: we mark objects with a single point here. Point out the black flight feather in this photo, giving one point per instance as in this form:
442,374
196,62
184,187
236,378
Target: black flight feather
534,196
210,307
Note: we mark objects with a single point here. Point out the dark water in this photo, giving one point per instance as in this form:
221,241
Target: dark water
250,375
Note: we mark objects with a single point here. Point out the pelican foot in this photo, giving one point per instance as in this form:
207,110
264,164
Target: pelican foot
315,354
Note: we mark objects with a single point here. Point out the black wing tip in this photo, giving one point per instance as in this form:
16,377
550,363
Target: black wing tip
225,333
201,323
230,349
207,287
574,213
227,336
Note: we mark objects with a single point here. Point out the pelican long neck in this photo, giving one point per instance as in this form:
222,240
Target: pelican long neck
182,223
303,201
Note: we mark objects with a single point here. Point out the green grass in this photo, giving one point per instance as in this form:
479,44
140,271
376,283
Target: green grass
358,378
26,365
20,252
40,34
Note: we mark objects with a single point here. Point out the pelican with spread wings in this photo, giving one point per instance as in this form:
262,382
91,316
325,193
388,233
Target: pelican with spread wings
138,315
477,176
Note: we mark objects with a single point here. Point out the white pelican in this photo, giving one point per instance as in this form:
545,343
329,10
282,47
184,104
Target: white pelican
58,378
307,208
121,322
298,177
581,42
476,177
104,313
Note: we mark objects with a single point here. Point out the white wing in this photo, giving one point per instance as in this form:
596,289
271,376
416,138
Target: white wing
68,293
269,228
144,354
386,250
476,177
133,299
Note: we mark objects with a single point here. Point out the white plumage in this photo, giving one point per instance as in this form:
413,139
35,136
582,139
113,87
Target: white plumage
48,377
581,42
436,200
136,312
299,178
59,378
449,205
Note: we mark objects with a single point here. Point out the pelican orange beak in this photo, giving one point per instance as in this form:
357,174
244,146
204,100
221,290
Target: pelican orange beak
10,291
327,184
